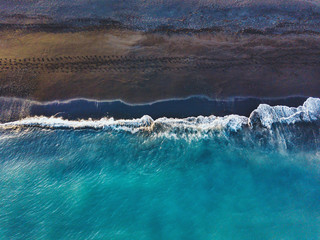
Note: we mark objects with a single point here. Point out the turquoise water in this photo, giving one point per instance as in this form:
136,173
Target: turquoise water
96,184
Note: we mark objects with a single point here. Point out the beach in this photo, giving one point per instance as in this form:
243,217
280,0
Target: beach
139,67
146,120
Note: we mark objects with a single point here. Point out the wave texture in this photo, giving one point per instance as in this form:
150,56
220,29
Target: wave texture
274,126
265,116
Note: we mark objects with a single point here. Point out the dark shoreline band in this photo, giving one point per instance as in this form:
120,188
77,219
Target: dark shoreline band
14,109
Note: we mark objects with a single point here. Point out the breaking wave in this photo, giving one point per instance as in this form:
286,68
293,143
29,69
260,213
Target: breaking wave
265,116
280,126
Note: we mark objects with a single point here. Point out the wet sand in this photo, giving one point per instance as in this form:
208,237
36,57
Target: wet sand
138,66
12,109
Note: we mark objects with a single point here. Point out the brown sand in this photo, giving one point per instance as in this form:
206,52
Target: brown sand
141,67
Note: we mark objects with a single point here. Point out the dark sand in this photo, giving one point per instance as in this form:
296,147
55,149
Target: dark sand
137,66
12,109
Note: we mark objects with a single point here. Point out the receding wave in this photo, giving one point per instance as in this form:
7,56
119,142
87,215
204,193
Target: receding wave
12,109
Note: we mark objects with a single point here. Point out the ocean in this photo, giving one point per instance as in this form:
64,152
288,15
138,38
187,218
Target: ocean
231,177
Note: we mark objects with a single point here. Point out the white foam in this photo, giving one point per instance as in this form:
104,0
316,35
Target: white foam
103,123
268,116
264,115
231,122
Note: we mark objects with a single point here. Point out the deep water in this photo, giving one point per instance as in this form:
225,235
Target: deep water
97,184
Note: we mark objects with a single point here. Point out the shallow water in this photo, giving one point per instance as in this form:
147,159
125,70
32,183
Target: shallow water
96,184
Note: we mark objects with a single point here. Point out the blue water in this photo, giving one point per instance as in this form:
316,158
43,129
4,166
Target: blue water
96,184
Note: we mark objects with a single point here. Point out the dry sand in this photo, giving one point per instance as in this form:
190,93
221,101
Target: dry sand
141,67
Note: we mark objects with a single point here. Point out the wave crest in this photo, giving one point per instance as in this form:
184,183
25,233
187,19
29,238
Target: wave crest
267,116
277,127
264,116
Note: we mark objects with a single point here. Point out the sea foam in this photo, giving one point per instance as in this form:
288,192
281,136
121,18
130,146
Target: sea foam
265,116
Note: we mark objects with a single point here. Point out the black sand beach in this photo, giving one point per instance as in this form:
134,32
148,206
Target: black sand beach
159,51
140,67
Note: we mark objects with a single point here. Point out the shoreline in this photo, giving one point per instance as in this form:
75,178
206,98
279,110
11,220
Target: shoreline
271,125
12,109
